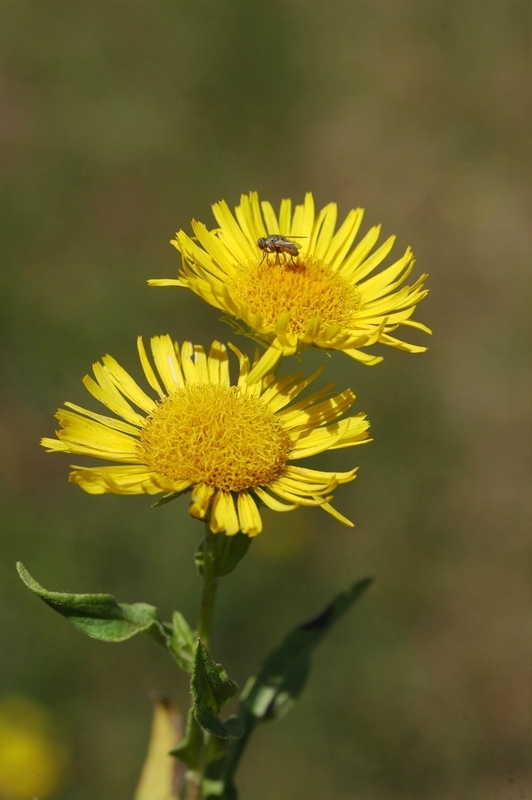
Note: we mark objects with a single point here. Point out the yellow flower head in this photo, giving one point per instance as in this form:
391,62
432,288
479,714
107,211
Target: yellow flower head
230,445
32,761
315,290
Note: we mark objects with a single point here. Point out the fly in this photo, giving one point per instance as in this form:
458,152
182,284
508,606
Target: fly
278,244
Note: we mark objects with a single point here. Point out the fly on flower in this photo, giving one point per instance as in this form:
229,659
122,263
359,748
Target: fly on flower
339,298
279,244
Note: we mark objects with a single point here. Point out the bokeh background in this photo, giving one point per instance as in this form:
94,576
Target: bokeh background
120,122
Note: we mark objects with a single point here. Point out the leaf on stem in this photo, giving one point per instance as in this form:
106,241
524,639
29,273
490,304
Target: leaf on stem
182,642
274,689
228,552
99,615
211,691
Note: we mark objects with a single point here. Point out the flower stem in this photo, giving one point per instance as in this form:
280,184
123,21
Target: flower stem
208,589
209,586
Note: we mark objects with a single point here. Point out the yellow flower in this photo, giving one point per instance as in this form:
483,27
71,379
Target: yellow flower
230,445
32,762
326,295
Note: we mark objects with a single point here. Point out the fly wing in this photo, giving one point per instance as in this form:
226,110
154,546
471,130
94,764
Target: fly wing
290,247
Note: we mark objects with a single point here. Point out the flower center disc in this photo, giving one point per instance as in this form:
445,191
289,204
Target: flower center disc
213,434
307,288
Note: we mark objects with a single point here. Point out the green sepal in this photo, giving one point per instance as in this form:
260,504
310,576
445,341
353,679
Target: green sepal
182,642
99,615
190,748
167,498
228,552
240,330
211,691
272,692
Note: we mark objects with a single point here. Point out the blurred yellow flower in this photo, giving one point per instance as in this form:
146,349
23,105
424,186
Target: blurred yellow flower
32,762
230,445
325,295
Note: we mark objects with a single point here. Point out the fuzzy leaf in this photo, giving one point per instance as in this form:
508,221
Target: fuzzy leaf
182,642
228,552
99,615
211,691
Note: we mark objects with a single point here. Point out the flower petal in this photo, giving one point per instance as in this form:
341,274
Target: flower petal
224,518
248,515
167,364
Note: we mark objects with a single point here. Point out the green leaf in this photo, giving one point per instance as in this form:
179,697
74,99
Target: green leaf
211,691
227,552
99,615
182,642
273,690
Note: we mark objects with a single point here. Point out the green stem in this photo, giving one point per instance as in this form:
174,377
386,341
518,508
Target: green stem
209,586
236,749
208,589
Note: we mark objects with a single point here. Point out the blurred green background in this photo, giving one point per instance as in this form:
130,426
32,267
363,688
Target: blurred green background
120,122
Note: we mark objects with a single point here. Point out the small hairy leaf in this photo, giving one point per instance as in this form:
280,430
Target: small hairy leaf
182,642
211,690
99,615
228,552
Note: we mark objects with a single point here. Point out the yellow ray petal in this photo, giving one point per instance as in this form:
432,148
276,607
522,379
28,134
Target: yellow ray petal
344,238
367,266
242,247
120,480
292,497
272,502
111,398
337,516
303,221
109,422
243,363
167,364
224,518
323,230
222,253
218,364
264,365
357,256
248,515
127,386
270,218
148,370
249,218
285,218
321,413
200,500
